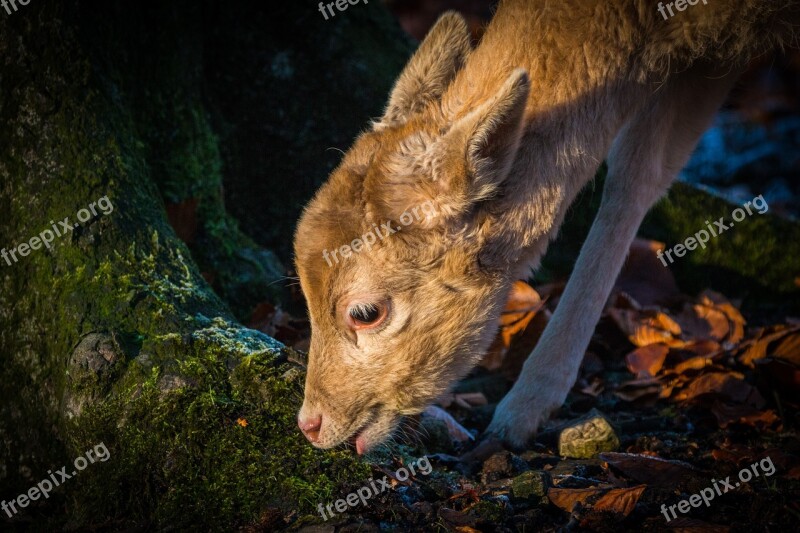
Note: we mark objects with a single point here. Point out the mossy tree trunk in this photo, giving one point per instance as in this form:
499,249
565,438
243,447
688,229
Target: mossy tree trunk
113,335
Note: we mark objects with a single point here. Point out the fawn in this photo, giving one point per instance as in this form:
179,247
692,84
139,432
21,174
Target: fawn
500,139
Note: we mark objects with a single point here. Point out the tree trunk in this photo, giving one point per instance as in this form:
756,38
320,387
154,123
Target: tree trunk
112,334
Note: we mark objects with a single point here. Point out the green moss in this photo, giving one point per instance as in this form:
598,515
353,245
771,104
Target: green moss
491,512
757,260
217,472
180,371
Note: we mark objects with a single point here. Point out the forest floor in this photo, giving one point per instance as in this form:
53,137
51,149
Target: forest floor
684,417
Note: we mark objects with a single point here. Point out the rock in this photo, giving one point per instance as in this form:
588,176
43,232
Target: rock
588,437
532,483
500,465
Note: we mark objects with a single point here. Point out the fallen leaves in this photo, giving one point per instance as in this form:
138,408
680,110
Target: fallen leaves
645,327
728,385
620,501
647,360
728,414
692,356
600,499
652,471
566,499
522,307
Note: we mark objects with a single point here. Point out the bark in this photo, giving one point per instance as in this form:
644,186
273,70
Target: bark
113,335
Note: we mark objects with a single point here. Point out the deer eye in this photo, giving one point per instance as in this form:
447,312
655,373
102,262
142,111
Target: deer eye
367,315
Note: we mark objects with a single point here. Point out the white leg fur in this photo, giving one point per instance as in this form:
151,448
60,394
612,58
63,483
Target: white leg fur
645,158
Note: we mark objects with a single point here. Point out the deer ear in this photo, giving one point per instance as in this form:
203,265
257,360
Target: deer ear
431,69
466,165
491,134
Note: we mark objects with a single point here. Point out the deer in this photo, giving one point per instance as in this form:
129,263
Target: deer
498,139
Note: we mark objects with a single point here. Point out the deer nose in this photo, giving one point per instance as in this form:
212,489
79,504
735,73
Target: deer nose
310,427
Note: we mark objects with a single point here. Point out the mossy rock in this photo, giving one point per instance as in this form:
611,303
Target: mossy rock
757,261
532,484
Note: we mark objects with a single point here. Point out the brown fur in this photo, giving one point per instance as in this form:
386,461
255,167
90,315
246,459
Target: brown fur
500,140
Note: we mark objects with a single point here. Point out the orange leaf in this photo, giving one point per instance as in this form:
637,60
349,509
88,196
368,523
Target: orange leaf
727,385
522,306
737,321
652,471
693,363
704,347
621,501
702,322
566,499
728,414
789,349
242,422
647,360
645,327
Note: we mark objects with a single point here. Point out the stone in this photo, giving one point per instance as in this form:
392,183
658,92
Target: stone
587,437
501,465
530,484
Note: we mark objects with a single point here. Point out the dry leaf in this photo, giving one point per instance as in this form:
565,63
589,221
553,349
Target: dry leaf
756,352
523,344
594,389
565,499
789,349
647,360
644,277
636,389
646,327
242,422
728,385
703,347
757,347
521,306
652,471
726,455
737,321
621,501
702,322
693,363
456,518
728,414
